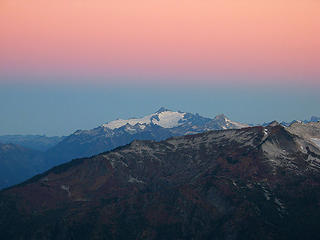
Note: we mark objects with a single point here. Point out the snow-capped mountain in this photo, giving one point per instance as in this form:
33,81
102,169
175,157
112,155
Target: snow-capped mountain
158,126
163,118
175,120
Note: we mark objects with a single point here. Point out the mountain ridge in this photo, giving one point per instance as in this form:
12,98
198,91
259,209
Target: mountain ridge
85,143
250,183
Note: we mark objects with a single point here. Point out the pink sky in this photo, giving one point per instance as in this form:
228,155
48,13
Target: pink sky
275,39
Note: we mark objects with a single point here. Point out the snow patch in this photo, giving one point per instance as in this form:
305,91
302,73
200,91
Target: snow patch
166,119
114,161
281,206
130,129
135,180
120,122
67,189
316,141
266,193
236,124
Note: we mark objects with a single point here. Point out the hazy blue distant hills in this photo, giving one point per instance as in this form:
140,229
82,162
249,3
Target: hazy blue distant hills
18,163
36,142
315,119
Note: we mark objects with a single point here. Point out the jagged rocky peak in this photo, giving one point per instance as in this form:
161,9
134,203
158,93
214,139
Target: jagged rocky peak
221,117
287,124
274,124
163,109
226,123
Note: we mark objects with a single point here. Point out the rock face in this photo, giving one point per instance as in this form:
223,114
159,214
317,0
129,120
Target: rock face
251,183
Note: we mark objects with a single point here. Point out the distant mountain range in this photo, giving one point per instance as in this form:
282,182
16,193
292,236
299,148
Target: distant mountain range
18,163
84,143
158,126
46,152
287,124
36,142
250,183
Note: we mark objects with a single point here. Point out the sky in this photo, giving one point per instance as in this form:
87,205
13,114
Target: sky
62,109
62,61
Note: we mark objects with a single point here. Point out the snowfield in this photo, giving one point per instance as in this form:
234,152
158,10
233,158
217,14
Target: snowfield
166,119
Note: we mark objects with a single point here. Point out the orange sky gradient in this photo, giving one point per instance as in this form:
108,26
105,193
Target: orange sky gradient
279,39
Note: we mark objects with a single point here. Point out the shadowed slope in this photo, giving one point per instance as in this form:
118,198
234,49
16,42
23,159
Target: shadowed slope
252,183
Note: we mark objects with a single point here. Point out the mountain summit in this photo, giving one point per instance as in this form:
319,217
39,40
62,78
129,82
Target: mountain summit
171,119
163,118
162,109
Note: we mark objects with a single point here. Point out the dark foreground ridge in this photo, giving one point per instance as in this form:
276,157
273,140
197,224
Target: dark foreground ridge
251,183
